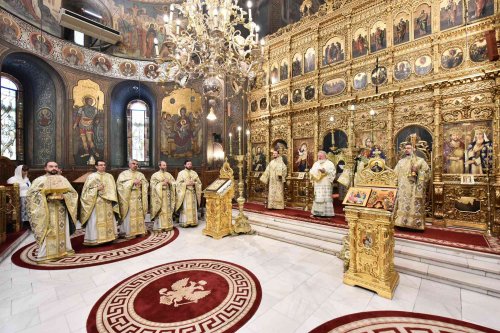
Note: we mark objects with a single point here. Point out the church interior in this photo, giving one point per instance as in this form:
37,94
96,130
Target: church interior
249,166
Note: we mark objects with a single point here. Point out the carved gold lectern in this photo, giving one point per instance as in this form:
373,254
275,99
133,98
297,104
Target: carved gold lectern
368,211
218,196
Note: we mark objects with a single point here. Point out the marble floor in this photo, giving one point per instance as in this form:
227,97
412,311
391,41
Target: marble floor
302,288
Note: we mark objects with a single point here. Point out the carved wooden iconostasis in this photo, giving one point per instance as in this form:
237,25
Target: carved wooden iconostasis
408,67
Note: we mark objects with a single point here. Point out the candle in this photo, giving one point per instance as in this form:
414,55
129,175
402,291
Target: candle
229,109
157,52
172,13
239,140
333,139
230,144
248,138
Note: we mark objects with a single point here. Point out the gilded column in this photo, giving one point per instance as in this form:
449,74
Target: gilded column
390,131
437,162
495,228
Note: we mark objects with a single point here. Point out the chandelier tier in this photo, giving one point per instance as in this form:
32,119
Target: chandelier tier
209,45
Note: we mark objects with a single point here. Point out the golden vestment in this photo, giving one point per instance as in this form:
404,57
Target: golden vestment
162,201
188,197
275,177
323,187
98,209
51,203
133,202
410,201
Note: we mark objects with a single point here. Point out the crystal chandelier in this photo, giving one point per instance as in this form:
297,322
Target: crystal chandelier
203,39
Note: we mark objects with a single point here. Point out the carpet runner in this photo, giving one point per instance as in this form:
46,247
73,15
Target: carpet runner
201,295
398,322
86,256
463,239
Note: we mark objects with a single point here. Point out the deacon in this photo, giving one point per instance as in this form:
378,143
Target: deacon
52,205
275,178
162,199
188,195
322,174
132,188
99,204
413,174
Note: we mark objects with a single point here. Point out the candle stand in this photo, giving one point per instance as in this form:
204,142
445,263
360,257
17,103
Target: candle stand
241,226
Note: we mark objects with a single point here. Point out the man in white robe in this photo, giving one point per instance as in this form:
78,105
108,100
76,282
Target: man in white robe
322,174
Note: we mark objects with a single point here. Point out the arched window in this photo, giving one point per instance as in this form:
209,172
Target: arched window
138,131
10,116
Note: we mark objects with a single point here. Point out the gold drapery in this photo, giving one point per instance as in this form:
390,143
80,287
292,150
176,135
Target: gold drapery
133,199
190,195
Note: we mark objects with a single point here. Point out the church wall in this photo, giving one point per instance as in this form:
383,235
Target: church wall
431,81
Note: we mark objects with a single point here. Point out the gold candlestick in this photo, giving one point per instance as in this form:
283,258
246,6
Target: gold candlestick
239,140
241,226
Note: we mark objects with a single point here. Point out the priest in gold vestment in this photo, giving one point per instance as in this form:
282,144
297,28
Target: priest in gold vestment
413,174
275,178
162,199
99,204
132,188
188,195
52,204
323,174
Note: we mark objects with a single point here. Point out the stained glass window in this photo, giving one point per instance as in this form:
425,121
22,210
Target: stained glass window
8,93
138,131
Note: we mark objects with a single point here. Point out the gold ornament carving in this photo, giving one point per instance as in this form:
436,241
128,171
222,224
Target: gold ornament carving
456,217
468,113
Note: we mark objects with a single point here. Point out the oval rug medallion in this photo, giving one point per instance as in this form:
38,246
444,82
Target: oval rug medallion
398,322
201,295
86,256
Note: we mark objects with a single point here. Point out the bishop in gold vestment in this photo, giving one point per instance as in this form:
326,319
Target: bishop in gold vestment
52,205
323,174
188,195
99,204
132,188
162,199
413,174
275,177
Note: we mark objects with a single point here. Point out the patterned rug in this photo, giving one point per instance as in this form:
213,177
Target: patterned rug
458,238
86,256
398,322
200,295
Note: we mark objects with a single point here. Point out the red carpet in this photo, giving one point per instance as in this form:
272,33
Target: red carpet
10,239
200,295
398,322
86,256
463,239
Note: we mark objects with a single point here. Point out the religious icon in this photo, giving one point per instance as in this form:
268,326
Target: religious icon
284,70
451,13
151,71
297,65
41,44
422,22
360,43
401,28
479,153
379,76
284,99
128,68
86,119
274,74
360,81
382,198
9,29
333,87
258,157
452,58
468,204
282,148
454,150
297,96
478,9
45,117
478,51
72,55
423,65
309,60
263,103
402,70
253,106
303,157
101,64
274,101
333,51
309,93
378,36
357,196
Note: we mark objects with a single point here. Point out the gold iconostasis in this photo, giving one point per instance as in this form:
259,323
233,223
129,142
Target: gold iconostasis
373,73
